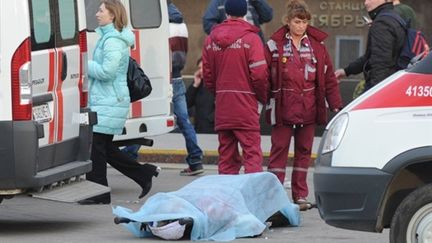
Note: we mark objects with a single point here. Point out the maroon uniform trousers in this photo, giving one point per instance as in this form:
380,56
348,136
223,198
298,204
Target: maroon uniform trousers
303,140
230,160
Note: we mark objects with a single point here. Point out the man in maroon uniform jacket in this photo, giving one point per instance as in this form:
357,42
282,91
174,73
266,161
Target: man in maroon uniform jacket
235,70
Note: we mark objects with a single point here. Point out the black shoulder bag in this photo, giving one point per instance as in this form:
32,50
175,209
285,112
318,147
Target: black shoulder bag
138,83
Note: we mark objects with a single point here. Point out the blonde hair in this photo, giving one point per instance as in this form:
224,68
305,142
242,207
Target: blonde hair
116,8
296,8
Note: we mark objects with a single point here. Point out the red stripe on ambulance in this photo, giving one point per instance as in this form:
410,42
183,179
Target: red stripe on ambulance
59,97
409,90
135,54
51,81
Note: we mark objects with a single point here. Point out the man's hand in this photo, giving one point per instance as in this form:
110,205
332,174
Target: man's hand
340,73
197,78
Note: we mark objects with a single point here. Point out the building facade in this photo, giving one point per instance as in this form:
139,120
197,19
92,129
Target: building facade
341,19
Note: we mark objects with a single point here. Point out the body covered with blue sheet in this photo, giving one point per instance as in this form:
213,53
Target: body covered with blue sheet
223,207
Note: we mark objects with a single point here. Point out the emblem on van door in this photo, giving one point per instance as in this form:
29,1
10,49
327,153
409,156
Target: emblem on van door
38,81
74,76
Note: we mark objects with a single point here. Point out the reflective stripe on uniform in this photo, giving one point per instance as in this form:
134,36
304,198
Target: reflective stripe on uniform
300,169
272,45
256,64
235,91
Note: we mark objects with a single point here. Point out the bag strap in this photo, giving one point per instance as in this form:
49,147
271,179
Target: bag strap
396,16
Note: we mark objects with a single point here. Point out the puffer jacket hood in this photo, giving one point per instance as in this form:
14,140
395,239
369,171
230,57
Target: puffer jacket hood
231,30
125,35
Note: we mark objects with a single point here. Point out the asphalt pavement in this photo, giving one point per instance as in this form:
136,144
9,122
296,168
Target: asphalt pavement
24,219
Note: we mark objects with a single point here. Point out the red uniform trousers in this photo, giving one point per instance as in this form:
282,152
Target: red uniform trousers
230,160
303,140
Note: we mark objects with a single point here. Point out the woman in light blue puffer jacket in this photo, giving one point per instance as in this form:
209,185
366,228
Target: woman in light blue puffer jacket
109,97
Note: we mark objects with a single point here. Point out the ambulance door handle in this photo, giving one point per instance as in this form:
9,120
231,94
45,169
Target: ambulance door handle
64,67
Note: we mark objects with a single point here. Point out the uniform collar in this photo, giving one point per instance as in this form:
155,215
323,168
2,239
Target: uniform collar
303,41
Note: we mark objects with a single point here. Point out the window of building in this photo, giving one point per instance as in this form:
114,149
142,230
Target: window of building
348,48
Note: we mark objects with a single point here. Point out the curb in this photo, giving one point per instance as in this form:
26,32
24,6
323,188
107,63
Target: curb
176,156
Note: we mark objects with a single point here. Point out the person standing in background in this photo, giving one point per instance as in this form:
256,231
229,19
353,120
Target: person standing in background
384,44
202,101
258,13
302,83
179,46
109,97
406,12
235,70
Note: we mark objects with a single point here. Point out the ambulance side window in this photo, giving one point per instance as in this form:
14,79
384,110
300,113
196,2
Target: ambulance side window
42,34
68,21
91,7
152,18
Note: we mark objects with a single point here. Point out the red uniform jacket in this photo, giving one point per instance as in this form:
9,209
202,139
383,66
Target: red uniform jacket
234,68
326,84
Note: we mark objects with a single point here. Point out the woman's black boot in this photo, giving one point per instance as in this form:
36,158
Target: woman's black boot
149,171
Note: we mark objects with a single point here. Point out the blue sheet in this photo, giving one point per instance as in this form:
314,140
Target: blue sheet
223,207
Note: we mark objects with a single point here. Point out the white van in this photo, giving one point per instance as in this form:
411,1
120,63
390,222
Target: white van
45,124
374,168
149,21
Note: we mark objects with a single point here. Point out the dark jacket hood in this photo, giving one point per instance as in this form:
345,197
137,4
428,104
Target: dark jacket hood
383,7
231,30
311,31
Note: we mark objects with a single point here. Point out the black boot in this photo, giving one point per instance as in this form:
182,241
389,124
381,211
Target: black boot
149,171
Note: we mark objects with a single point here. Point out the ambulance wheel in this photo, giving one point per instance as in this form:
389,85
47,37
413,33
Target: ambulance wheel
412,221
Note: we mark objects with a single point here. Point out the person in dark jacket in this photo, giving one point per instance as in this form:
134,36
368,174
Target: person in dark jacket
385,41
202,101
258,13
302,82
235,70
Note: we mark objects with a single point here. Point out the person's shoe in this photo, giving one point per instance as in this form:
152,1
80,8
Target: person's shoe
145,189
192,172
101,199
303,204
278,220
148,184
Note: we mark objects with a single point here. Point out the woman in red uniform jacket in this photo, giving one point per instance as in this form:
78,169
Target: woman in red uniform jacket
301,81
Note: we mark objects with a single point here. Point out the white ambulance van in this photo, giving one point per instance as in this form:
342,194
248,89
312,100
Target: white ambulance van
45,125
149,21
374,168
